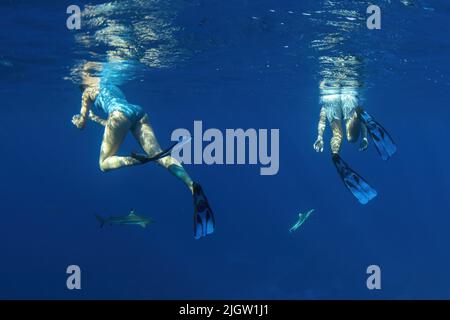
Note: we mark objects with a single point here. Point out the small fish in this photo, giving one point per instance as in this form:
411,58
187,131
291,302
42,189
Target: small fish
131,219
301,219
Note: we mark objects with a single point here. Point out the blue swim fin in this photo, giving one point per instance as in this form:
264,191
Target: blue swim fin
383,141
353,181
204,221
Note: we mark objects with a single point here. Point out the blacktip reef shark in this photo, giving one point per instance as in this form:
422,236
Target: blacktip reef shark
131,219
301,219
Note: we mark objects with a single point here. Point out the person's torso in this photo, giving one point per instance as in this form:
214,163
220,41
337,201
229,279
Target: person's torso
110,98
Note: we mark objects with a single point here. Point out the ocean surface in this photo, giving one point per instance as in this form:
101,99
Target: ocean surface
230,64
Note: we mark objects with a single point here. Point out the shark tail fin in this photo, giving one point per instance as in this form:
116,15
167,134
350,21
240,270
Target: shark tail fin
101,220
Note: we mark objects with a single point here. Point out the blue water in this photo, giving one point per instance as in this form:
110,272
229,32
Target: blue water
231,64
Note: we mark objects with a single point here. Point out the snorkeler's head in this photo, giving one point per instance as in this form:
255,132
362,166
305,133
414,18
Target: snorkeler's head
89,76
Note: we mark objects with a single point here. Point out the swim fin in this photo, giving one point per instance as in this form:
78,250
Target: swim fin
382,139
353,181
204,221
143,158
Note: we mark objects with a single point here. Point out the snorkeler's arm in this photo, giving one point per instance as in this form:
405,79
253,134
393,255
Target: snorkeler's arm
322,123
86,102
87,99
364,131
318,145
364,142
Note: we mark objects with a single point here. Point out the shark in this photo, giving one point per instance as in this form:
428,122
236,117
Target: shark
301,219
130,219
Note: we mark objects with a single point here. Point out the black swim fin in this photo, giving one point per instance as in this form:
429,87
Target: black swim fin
143,158
382,139
204,221
353,181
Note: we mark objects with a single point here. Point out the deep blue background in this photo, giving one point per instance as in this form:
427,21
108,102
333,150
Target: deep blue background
51,185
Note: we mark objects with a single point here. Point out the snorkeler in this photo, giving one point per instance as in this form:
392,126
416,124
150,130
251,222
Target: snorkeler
340,104
124,117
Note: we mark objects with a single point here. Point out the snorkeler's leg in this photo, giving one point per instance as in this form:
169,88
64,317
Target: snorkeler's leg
144,134
175,167
204,221
336,139
115,132
364,142
353,128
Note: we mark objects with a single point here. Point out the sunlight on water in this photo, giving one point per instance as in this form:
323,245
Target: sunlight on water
125,37
348,54
339,64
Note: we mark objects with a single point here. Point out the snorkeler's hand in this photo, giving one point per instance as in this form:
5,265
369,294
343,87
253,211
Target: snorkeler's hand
364,144
79,121
318,145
